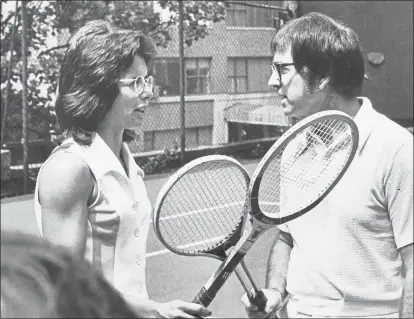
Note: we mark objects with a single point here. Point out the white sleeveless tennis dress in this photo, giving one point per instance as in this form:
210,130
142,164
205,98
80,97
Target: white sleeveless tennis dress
118,220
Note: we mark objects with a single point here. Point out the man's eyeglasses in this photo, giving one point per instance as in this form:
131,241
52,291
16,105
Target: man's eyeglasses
277,67
139,83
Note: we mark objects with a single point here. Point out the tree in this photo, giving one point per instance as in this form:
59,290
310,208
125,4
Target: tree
47,18
41,72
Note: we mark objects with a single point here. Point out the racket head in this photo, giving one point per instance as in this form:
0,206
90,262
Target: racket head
302,167
200,210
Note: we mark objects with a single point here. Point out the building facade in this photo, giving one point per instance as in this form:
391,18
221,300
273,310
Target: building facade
226,95
227,98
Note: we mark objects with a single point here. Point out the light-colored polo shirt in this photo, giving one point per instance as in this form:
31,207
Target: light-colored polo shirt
118,220
345,259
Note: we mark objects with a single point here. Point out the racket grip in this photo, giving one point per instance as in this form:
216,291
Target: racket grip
203,298
259,300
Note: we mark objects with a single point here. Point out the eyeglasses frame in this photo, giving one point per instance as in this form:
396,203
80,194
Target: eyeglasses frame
277,67
148,80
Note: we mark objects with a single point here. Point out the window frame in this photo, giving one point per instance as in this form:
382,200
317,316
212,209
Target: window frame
235,76
232,10
198,76
273,20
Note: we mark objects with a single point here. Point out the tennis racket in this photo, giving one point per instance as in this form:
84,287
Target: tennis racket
207,191
294,176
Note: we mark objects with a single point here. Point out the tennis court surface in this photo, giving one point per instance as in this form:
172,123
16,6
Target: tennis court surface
169,276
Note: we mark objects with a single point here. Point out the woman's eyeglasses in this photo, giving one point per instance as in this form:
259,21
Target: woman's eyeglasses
139,83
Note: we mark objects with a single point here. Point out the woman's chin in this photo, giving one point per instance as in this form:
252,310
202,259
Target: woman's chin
134,125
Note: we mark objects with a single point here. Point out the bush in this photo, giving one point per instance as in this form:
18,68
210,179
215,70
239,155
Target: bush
161,163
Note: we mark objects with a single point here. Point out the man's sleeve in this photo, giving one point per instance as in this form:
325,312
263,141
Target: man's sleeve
399,195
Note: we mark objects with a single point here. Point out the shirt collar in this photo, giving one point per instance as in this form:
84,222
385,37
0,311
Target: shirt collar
111,162
365,121
130,161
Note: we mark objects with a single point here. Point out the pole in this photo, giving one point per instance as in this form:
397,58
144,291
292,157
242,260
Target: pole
24,98
182,80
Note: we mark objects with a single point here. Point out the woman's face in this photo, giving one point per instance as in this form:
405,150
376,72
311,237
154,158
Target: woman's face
128,109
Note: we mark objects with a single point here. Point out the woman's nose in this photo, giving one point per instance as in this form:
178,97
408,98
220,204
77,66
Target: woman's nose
147,93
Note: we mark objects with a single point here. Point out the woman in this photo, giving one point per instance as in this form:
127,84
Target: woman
90,195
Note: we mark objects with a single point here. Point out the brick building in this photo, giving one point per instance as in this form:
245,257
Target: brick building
227,72
226,84
227,98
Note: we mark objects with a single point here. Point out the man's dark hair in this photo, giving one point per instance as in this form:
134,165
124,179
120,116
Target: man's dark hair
327,48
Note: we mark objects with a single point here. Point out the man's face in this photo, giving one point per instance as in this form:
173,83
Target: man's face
298,98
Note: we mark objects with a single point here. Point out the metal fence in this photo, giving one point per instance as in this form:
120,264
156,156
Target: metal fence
225,100
226,95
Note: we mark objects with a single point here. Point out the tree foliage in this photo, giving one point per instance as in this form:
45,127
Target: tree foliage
46,20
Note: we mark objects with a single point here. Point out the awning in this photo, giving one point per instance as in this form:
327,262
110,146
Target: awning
256,114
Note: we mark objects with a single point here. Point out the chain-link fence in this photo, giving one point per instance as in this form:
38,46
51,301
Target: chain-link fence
226,95
227,66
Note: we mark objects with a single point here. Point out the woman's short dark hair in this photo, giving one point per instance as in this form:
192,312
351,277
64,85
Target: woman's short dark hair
98,52
327,48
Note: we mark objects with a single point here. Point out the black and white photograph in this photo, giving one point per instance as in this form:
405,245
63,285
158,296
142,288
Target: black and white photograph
207,159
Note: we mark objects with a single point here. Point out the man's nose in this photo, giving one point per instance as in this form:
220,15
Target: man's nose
274,81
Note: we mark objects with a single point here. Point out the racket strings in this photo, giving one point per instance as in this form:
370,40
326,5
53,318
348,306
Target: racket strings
220,218
305,167
204,207
222,196
325,131
192,205
227,194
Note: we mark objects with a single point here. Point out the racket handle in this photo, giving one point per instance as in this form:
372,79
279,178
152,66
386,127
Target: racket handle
203,298
259,300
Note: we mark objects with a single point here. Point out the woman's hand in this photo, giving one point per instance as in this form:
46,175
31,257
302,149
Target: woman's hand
181,309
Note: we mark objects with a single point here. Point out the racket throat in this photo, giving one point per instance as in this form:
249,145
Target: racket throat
206,295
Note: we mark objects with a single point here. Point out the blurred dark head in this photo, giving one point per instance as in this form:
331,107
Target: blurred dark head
97,54
39,280
323,47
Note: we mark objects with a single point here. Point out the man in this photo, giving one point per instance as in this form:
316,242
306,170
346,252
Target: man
352,255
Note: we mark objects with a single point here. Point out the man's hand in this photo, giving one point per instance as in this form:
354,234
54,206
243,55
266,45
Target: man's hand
181,309
274,302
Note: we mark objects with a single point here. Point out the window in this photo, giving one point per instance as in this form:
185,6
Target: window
254,17
197,73
236,15
245,131
167,76
238,75
248,74
198,136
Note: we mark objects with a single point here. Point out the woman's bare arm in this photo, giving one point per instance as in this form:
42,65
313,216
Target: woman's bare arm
65,186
